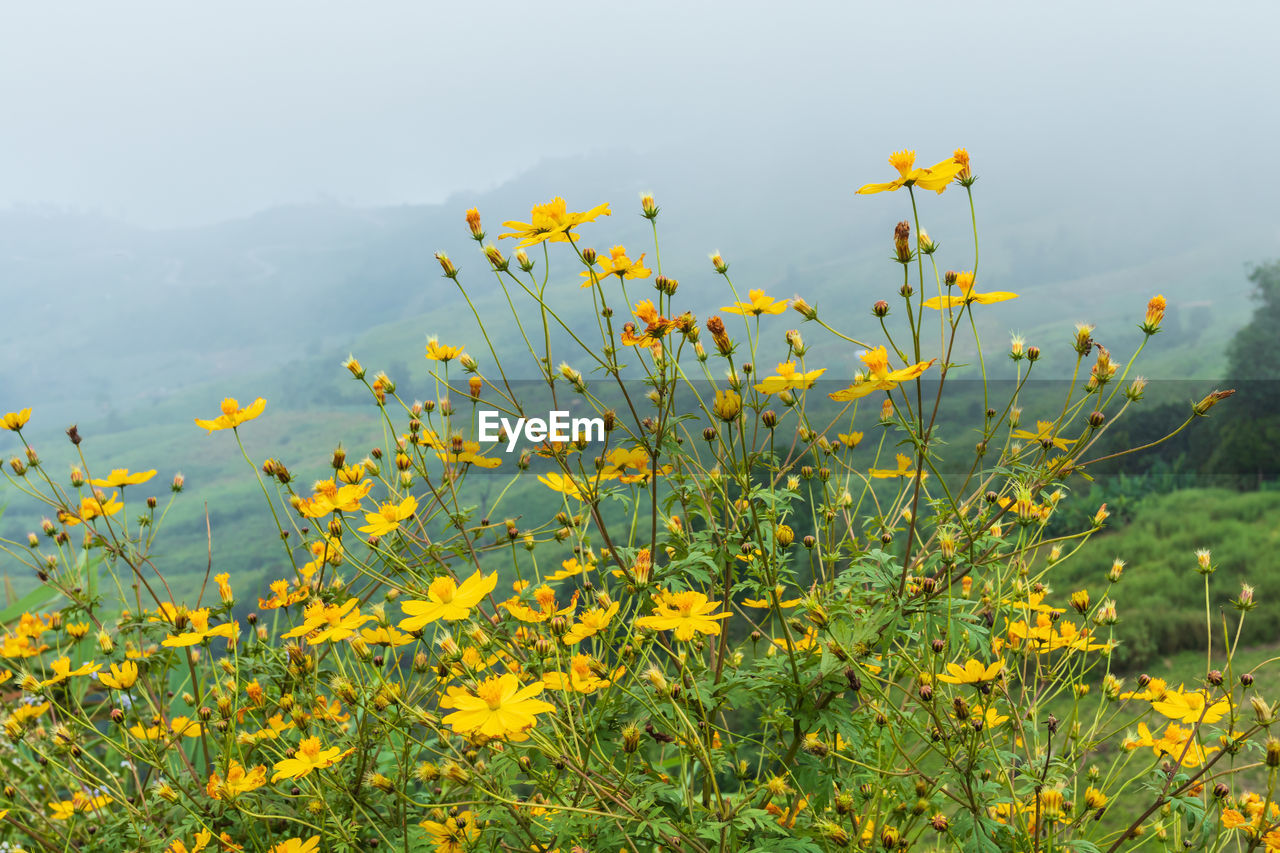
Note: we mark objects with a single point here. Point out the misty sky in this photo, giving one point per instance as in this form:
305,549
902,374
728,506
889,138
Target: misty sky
167,113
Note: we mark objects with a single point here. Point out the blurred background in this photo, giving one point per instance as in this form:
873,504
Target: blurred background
210,200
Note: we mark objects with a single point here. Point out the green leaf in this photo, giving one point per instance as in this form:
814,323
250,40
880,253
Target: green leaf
34,600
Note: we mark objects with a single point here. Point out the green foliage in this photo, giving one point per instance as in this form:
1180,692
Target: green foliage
1158,546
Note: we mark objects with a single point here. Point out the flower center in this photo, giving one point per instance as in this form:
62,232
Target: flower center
902,161
491,693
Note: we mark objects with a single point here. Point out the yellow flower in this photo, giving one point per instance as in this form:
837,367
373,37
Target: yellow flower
122,677
757,303
936,177
571,568
91,507
563,484
581,677
620,265
466,452
79,802
629,465
281,596
727,405
968,295
437,352
297,845
1155,314
328,497
308,757
973,672
184,726
232,415
203,837
879,377
498,707
850,439
120,477
239,781
389,516
146,732
62,671
384,636
1173,742
1190,707
455,835
774,596
1035,603
14,421
788,379
990,717
199,631
447,600
1044,432
551,222
686,612
330,622
590,623
546,599
903,469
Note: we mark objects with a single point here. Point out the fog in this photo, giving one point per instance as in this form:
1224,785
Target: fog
173,114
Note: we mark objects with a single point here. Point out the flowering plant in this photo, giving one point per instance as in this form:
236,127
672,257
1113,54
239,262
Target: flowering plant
759,614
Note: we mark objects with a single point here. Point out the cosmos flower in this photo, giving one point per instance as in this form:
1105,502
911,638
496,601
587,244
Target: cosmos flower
388,517
551,222
936,177
447,600
789,379
972,672
232,415
968,295
14,421
308,757
120,477
620,265
498,707
879,377
757,303
687,613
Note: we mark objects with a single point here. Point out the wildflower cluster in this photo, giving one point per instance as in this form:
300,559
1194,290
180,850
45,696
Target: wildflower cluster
761,614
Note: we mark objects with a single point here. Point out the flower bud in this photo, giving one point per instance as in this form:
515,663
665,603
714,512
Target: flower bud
1202,408
1155,314
648,207
1080,600
902,242
450,270
473,223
